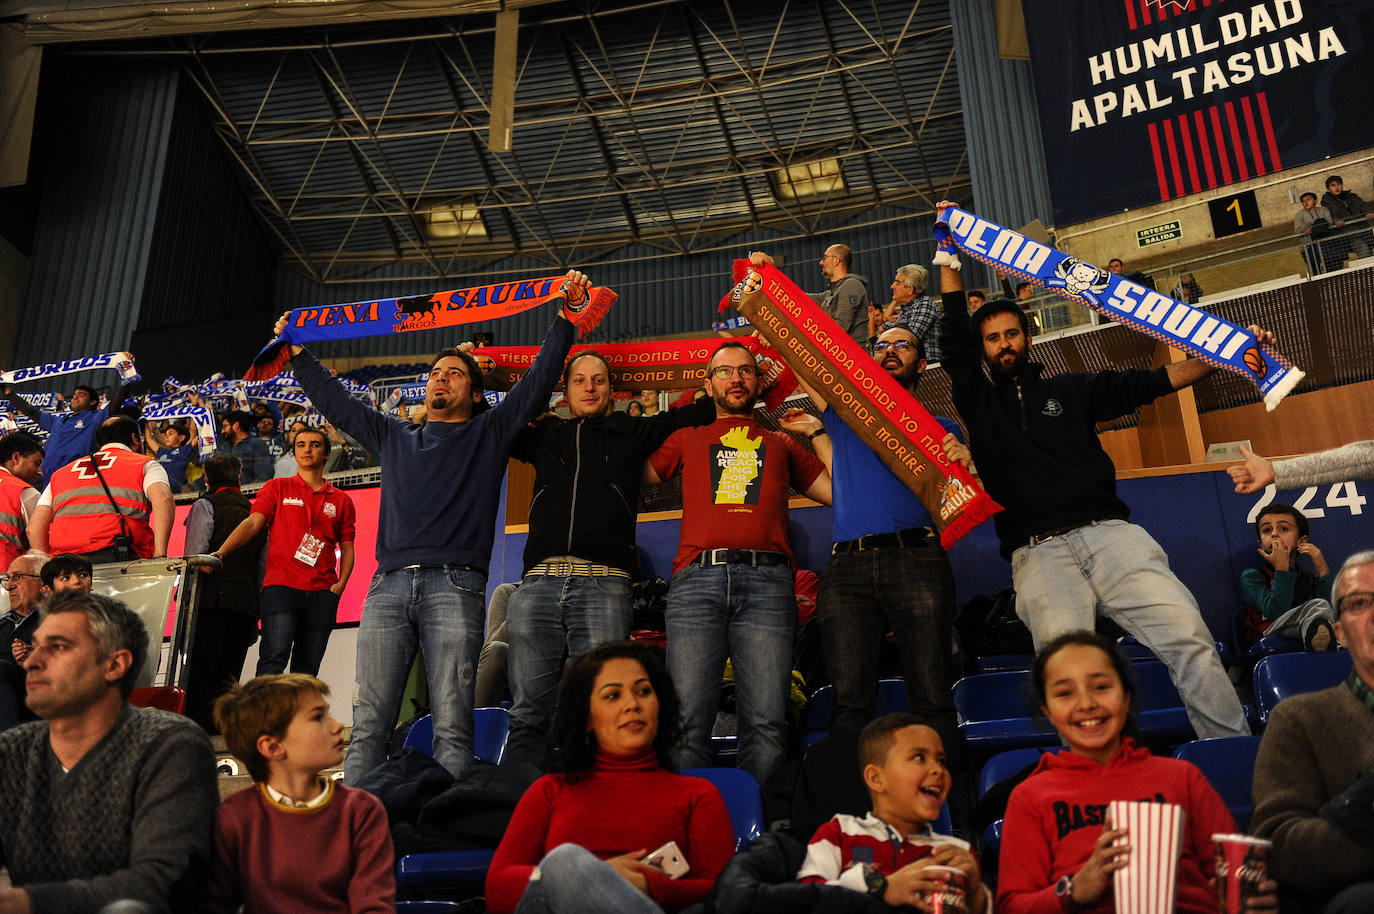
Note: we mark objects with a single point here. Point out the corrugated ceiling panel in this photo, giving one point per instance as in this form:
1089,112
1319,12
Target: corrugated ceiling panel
99,201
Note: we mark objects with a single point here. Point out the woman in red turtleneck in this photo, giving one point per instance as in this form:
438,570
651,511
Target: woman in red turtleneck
576,840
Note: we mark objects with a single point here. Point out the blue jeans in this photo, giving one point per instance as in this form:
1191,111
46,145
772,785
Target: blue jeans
1115,568
296,624
910,592
548,620
441,610
748,614
572,880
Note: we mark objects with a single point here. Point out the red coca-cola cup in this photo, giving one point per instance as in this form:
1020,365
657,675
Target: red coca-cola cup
949,899
1242,864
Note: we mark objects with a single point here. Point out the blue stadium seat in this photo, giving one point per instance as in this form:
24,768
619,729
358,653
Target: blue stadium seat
1136,652
996,769
1003,663
1229,764
455,869
994,713
743,799
891,697
1279,676
490,727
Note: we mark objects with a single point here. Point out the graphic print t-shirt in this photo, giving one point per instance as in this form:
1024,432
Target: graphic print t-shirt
735,478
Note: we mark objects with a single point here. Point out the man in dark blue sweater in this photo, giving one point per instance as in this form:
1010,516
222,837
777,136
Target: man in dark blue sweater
441,485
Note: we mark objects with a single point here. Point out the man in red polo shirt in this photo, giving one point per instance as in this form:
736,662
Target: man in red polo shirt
309,518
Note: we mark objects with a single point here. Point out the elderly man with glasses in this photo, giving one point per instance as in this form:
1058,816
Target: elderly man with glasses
1314,778
24,584
887,570
732,593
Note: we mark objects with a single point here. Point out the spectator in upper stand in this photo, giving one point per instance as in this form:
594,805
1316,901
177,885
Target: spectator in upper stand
227,611
276,442
173,448
234,429
116,803
1314,222
1314,777
1064,529
441,483
649,400
1280,597
21,459
846,299
915,310
635,409
1351,214
24,585
887,570
580,557
1187,289
346,452
296,840
286,463
732,592
311,522
75,514
70,434
1115,266
976,299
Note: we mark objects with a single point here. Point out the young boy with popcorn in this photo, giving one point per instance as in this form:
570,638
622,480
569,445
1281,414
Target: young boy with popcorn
295,841
890,852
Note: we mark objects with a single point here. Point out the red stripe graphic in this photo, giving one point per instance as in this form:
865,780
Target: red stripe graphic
1236,145
1269,133
1253,135
1145,12
1159,163
1204,150
1221,145
1189,157
1173,158
1130,15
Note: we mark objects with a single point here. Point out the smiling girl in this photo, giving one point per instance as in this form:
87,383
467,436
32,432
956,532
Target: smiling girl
1057,854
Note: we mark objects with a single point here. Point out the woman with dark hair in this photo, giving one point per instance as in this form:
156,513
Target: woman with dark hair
579,836
1058,853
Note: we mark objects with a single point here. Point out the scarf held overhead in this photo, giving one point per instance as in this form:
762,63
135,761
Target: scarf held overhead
875,405
119,362
409,314
1205,336
200,415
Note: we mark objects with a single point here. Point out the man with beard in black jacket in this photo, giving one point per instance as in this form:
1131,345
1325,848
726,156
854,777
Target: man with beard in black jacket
1073,552
580,558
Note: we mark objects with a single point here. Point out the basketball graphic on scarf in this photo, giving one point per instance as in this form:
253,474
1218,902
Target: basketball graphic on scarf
485,363
1255,362
576,296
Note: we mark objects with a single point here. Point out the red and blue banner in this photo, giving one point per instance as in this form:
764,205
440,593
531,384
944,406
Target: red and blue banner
1143,101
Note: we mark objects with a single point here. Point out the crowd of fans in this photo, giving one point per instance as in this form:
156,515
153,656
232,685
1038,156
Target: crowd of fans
113,807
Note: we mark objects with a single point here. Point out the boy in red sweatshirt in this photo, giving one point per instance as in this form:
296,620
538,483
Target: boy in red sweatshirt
890,852
295,841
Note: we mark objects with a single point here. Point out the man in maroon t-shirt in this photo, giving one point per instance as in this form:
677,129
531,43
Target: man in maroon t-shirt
732,589
309,518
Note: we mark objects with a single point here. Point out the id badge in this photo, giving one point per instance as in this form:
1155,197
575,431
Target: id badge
308,552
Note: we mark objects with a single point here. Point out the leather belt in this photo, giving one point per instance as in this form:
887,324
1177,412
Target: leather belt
1039,538
576,570
739,557
916,536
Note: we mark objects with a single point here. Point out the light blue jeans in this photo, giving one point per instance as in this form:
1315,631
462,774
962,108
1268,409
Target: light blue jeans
440,609
572,880
548,620
1117,569
749,614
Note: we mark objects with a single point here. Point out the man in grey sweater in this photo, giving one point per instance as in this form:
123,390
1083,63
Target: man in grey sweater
1314,777
103,803
1350,461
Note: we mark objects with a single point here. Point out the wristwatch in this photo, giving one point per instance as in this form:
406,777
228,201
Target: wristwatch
817,433
876,881
1064,889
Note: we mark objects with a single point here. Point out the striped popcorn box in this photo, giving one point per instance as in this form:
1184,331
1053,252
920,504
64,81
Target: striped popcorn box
1146,885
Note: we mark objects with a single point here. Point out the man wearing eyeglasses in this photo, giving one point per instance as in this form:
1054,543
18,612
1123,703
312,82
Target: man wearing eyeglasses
732,593
887,570
24,584
1314,777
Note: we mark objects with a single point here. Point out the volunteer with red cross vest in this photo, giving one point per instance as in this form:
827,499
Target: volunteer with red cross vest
309,518
21,461
75,513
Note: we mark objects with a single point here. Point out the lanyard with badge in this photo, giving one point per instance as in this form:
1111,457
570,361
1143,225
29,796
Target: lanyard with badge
311,546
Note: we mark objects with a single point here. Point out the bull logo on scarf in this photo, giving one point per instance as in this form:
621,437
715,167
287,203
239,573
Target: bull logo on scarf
416,306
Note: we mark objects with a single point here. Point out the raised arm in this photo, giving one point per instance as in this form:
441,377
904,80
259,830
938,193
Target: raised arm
24,407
